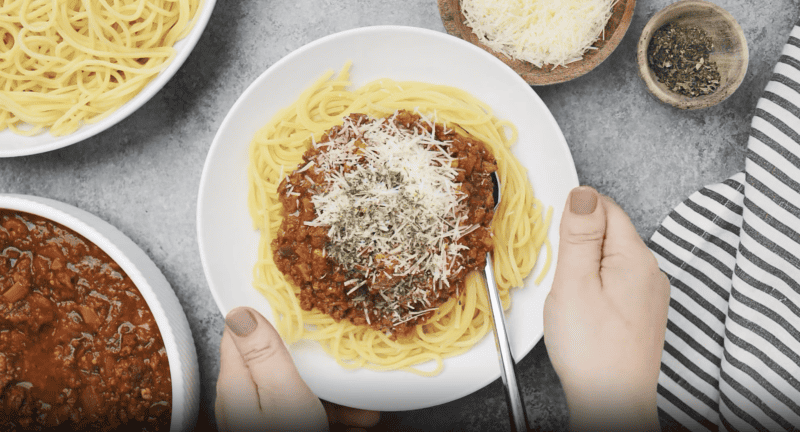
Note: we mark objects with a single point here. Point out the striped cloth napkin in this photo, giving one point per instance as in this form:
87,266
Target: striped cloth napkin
732,253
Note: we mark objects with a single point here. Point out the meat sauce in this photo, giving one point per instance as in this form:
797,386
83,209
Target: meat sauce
79,348
302,253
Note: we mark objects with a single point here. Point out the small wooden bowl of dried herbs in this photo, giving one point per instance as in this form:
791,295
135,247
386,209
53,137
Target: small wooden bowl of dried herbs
692,54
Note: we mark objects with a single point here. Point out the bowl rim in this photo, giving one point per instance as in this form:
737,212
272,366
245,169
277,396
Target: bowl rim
140,268
537,76
684,102
184,47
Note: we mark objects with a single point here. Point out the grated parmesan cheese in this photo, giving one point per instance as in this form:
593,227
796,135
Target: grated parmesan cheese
555,32
399,206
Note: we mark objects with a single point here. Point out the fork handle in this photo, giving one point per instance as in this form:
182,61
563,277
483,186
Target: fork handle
508,370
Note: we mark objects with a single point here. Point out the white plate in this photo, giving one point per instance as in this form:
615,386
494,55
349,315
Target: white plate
151,283
12,145
228,243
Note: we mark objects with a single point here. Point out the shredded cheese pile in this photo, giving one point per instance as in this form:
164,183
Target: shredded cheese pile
400,201
555,32
394,210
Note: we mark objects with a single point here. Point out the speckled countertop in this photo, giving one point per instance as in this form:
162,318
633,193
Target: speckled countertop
142,175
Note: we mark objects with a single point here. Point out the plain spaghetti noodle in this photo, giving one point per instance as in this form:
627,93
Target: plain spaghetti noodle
66,63
519,226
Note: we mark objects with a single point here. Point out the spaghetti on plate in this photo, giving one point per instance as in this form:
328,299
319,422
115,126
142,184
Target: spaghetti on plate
65,63
378,336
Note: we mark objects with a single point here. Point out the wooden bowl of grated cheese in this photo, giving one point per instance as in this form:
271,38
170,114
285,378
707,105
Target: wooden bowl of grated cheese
560,46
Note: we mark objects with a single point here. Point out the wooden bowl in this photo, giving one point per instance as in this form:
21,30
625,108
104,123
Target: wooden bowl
729,52
617,25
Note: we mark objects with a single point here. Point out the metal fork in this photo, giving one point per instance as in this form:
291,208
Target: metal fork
508,369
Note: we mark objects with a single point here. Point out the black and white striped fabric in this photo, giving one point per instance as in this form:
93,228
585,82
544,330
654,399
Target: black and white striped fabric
732,253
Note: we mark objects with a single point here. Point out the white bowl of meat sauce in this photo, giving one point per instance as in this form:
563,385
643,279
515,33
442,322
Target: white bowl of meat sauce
92,337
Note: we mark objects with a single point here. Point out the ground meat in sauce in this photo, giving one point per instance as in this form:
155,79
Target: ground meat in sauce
300,251
79,348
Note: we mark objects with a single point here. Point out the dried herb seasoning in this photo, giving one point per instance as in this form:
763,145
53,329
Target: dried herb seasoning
679,57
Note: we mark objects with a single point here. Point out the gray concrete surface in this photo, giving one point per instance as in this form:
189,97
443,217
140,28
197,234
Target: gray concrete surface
142,175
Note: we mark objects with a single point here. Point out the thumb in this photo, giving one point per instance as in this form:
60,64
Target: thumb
580,248
286,401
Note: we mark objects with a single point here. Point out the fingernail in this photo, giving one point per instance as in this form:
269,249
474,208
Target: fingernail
583,200
241,322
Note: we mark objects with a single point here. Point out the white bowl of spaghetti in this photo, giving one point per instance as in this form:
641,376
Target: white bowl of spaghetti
68,73
490,99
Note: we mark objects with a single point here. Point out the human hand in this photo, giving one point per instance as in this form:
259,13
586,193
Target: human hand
605,317
259,388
